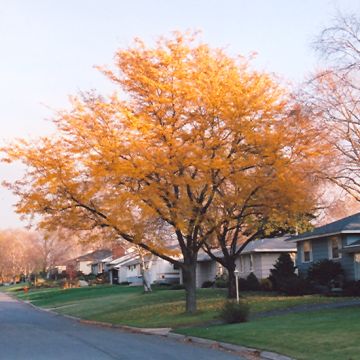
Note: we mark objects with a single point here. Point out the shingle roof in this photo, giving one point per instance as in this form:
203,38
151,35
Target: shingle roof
276,244
122,259
95,255
346,225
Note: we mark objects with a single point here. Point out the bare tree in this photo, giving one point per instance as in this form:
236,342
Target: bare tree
335,96
19,254
24,252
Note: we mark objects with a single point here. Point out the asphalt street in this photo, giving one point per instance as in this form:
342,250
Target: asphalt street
30,334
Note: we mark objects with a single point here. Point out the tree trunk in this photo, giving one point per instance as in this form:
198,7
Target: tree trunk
189,280
230,267
232,285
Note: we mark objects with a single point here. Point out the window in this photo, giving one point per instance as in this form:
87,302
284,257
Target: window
334,248
307,253
176,267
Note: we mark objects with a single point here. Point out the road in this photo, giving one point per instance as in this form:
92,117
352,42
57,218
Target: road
30,334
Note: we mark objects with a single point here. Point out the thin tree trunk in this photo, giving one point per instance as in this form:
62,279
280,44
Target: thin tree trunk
145,272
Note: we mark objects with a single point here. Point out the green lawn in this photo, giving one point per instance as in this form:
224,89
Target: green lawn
162,308
322,335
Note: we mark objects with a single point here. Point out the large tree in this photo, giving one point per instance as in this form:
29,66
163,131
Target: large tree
188,125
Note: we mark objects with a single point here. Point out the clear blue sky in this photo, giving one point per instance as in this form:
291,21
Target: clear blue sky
48,49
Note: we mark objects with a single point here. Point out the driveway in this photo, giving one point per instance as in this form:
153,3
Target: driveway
30,334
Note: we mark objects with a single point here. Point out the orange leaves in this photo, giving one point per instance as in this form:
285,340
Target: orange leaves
193,138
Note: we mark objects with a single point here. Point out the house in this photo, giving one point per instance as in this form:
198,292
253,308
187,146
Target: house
100,266
83,263
128,268
206,268
258,257
160,271
338,241
118,268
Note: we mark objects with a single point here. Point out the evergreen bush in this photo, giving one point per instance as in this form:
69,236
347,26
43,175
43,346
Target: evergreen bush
323,272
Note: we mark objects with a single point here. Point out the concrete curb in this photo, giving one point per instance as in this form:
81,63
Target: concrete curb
246,352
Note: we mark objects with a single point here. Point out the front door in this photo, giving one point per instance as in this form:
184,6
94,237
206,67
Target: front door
357,266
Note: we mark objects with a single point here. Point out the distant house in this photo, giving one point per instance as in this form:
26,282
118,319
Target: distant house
207,269
258,257
338,241
83,263
118,269
100,266
128,268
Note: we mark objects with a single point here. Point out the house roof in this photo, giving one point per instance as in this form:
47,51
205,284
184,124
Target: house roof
105,260
96,255
350,224
123,263
135,261
265,245
276,244
122,259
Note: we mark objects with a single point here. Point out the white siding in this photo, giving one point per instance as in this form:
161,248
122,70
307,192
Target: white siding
249,263
133,274
262,264
162,270
205,271
267,263
84,267
122,272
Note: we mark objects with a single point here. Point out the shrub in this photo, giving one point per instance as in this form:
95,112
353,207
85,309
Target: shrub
102,278
233,312
283,272
221,282
80,275
243,284
284,266
323,272
89,277
295,286
161,284
252,282
266,285
66,284
177,287
352,288
63,274
284,279
207,284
